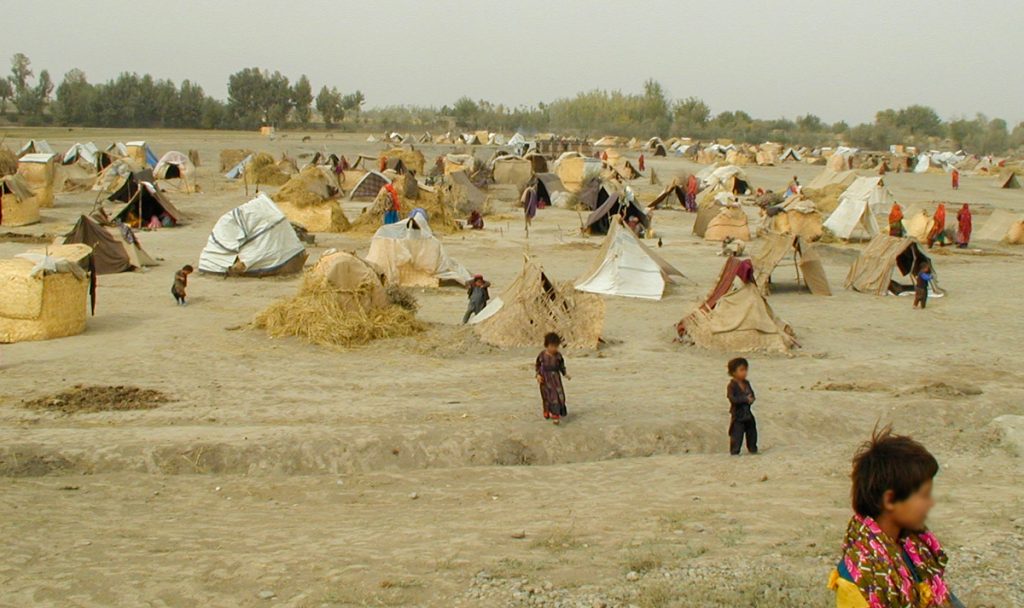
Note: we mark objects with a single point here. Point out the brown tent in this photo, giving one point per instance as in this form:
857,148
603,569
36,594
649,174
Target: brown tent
599,220
775,247
142,201
872,271
666,194
114,249
1008,180
548,185
466,197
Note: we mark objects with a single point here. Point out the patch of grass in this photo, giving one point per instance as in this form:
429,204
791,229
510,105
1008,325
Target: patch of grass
643,561
558,540
657,594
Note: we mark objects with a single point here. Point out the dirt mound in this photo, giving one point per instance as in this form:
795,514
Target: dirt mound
850,387
85,399
14,237
942,390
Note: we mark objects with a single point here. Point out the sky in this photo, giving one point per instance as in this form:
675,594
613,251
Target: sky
838,60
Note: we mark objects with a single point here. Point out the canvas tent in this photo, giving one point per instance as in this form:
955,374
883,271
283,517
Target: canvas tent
828,177
575,170
238,169
35,146
858,205
533,305
177,166
777,247
18,204
143,204
626,267
736,318
997,227
465,196
411,256
512,170
617,204
114,248
548,188
41,298
729,178
791,154
115,174
254,239
368,186
797,216
1008,180
872,271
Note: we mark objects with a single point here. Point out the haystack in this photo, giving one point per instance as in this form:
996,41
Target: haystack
412,159
310,199
231,157
41,307
18,204
263,169
341,303
39,171
731,222
439,212
826,199
533,305
918,225
8,161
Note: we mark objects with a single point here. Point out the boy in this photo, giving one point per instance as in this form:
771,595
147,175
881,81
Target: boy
741,397
890,559
478,297
180,283
924,277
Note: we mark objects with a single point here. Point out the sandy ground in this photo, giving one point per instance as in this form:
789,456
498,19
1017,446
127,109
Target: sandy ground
418,472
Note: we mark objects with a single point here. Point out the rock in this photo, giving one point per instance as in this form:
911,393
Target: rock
413,496
519,535
633,576
266,594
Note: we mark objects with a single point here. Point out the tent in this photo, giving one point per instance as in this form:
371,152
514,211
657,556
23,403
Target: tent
368,186
575,171
729,178
730,222
238,170
537,161
309,198
600,220
548,187
35,146
872,271
675,188
1008,180
115,174
175,165
114,248
40,172
798,216
736,319
143,203
775,248
626,267
512,170
41,298
86,155
858,205
827,177
18,204
465,196
997,227
791,155
140,152
411,256
254,239
534,305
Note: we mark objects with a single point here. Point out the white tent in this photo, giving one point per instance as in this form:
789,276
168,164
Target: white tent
410,255
517,139
257,235
923,163
858,205
626,267
175,165
35,146
82,153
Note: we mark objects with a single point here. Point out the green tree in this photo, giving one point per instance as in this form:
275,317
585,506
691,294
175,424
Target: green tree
75,98
810,123
6,93
465,112
920,121
691,116
328,103
353,102
302,99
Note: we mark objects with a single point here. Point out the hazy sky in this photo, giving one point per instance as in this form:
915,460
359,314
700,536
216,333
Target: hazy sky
837,59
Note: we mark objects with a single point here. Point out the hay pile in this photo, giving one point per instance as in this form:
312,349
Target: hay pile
318,314
229,158
263,169
440,215
310,199
827,198
412,159
8,162
87,399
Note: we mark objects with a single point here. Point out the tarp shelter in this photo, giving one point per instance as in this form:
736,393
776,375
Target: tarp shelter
797,216
729,178
177,166
411,256
858,205
617,205
997,226
1008,180
40,172
827,177
41,298
140,152
35,146
791,155
239,169
775,248
86,155
575,170
115,174
114,248
626,267
512,170
18,204
465,196
548,187
594,194
736,319
254,239
534,305
872,271
730,222
143,203
674,188
368,186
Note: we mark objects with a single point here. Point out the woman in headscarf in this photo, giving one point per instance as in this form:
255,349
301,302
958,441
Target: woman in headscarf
691,193
964,227
529,201
392,205
896,220
938,227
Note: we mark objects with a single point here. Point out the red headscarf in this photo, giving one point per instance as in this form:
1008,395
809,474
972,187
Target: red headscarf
395,204
940,217
965,224
896,214
691,185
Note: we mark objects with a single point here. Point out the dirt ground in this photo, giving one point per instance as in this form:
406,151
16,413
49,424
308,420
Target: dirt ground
419,472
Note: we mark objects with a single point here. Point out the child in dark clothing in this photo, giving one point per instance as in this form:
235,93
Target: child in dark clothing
741,397
924,277
180,283
479,295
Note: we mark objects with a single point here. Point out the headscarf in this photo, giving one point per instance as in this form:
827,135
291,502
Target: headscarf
396,205
939,223
896,214
691,185
875,563
965,225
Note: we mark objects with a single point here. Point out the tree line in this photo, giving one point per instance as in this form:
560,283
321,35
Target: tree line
259,97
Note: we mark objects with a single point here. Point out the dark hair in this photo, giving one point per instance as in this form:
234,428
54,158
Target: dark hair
552,339
187,267
735,364
889,462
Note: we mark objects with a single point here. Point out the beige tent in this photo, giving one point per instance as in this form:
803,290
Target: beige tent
534,305
178,171
918,225
730,222
828,177
114,176
775,248
998,226
575,170
626,267
40,172
410,255
858,205
41,305
1008,180
464,195
799,217
872,271
512,170
18,204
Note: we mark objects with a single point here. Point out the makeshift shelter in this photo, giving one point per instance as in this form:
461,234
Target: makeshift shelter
309,198
238,169
41,298
538,162
368,186
549,187
410,255
736,318
143,204
35,146
616,205
177,166
465,196
575,170
674,188
777,247
141,153
857,207
114,248
40,172
797,216
730,222
254,239
1008,180
791,154
114,175
88,156
828,177
593,194
729,178
512,170
918,225
626,267
997,227
534,305
872,271
18,204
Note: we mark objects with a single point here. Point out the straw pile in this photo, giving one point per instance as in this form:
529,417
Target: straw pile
8,161
229,158
40,177
82,399
412,159
324,315
39,308
309,199
263,169
440,215
826,199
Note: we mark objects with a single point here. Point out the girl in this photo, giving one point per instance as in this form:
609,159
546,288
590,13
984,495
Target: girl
741,419
550,368
924,277
890,559
965,225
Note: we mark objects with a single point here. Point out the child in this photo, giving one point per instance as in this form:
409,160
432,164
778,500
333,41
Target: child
180,283
741,397
550,368
890,560
924,277
478,296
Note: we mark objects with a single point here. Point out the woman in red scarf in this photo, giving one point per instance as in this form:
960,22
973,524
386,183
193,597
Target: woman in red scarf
964,227
691,193
956,179
896,220
940,225
640,162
